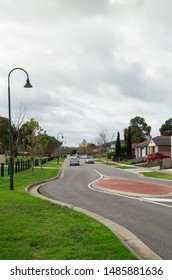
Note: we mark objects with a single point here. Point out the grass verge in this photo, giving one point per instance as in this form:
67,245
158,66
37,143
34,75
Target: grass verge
36,229
158,175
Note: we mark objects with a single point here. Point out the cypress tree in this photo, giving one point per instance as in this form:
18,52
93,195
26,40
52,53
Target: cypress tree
129,143
118,147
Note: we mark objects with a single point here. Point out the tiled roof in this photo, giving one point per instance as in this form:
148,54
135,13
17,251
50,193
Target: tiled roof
143,144
158,140
162,140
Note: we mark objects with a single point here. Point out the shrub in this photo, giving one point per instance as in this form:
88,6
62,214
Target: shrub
111,155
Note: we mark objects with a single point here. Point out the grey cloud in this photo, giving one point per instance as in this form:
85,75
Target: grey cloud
92,63
55,9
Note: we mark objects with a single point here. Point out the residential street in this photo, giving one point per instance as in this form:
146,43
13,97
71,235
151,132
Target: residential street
149,218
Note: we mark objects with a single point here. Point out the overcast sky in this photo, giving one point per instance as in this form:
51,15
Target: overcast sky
93,64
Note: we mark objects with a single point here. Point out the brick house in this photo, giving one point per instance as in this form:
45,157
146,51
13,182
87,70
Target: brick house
158,144
141,149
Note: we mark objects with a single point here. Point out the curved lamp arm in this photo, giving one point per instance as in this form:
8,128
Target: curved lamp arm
28,84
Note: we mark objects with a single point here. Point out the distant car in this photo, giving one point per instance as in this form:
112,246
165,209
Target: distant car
155,156
84,156
74,161
89,159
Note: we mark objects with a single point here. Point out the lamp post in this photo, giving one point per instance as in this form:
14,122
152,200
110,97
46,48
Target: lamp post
27,85
58,145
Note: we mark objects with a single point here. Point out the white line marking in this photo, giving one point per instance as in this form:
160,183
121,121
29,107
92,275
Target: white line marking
104,191
160,199
149,200
154,202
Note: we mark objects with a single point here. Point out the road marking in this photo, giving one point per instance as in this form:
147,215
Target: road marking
104,191
153,200
160,199
101,176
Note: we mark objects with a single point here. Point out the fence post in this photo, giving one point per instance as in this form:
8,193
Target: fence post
21,165
16,167
2,169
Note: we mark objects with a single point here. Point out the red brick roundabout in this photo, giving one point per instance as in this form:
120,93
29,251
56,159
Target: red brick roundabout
132,187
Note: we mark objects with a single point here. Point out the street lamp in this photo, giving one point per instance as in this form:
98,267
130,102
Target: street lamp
58,146
27,85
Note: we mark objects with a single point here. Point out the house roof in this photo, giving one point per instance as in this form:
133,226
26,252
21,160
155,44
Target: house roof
114,142
143,144
158,140
162,140
134,145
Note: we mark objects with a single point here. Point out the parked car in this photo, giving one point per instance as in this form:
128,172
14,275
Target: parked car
89,159
155,156
74,161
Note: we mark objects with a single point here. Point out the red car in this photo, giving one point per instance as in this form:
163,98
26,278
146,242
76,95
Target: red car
152,157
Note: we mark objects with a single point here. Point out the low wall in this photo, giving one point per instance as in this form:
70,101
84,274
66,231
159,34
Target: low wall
167,163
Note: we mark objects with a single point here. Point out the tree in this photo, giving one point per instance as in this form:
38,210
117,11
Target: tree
33,140
166,128
41,144
52,144
123,150
104,139
4,135
118,146
17,129
83,147
140,131
90,148
99,144
129,143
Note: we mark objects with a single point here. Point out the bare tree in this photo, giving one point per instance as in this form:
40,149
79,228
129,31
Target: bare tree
99,144
17,124
104,139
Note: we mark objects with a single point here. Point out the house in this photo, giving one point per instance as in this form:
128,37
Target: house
112,145
141,149
158,144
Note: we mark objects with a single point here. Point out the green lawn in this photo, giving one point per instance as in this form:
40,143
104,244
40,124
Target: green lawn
156,174
36,229
103,161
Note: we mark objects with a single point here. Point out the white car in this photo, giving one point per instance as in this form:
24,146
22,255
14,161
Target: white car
89,159
74,161
84,156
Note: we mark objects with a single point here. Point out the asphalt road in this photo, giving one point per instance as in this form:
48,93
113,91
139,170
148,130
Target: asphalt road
150,221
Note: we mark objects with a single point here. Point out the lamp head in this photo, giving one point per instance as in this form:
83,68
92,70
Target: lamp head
28,84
